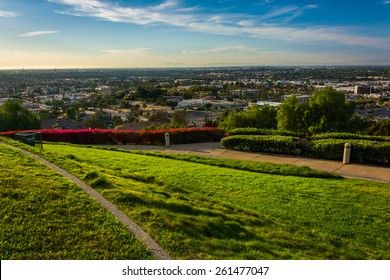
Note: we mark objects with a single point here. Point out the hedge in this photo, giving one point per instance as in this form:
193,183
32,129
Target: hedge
362,151
273,144
259,131
125,137
349,136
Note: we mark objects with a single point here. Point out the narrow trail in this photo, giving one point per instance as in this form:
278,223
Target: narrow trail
154,248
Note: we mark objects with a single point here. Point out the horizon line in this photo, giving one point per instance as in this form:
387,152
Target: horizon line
192,67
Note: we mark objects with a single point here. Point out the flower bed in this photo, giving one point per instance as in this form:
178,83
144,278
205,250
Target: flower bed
128,137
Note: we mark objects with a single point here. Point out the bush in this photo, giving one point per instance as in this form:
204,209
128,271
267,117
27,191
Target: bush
275,144
381,127
259,131
125,137
349,136
362,151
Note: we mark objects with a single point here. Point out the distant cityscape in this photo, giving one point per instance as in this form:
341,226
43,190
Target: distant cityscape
65,99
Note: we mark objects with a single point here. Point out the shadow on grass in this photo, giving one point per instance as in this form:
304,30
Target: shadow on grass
200,222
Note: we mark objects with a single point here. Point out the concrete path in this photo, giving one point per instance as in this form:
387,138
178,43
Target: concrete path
214,149
154,248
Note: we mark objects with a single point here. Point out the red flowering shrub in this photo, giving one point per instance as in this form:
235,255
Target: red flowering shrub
124,137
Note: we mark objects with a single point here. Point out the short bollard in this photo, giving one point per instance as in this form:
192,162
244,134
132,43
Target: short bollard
167,140
347,153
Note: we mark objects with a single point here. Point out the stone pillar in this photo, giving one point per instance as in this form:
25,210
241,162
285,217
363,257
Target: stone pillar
347,153
167,140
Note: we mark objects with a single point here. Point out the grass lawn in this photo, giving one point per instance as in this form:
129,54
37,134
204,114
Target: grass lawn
199,210
45,216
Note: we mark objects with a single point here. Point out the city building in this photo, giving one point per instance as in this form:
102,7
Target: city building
363,89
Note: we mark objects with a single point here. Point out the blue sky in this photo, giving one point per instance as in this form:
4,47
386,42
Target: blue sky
187,33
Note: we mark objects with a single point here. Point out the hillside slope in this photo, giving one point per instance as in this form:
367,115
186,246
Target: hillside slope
203,211
44,216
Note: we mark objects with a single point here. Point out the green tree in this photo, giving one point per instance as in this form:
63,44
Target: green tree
233,120
328,111
380,128
14,116
207,106
179,118
258,117
291,115
160,116
133,114
44,114
71,112
99,120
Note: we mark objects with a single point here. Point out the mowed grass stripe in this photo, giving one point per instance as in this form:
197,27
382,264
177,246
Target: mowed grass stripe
45,216
198,211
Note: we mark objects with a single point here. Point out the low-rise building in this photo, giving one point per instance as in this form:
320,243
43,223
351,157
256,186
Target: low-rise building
363,89
303,99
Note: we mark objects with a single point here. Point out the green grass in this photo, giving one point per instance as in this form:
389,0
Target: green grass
198,210
44,216
246,165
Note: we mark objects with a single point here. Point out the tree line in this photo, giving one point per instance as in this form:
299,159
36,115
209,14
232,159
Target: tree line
326,111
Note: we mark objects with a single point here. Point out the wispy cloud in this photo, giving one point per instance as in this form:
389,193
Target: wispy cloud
238,48
38,33
7,14
288,13
265,2
246,23
170,12
167,4
131,51
386,2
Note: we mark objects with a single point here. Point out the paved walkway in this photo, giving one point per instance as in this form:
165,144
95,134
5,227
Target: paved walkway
214,149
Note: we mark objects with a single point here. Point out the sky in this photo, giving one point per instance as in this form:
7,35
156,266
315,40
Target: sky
185,33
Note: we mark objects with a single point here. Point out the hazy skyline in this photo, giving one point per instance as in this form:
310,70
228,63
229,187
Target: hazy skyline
180,33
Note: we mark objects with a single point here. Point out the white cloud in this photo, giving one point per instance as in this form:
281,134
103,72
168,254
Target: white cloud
7,14
116,13
246,23
38,33
238,48
169,13
167,4
318,34
217,19
386,2
288,13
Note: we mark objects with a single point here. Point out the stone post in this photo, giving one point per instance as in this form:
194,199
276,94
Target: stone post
347,153
167,140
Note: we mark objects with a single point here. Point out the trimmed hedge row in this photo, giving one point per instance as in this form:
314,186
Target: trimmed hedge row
259,131
363,151
349,136
273,144
125,137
